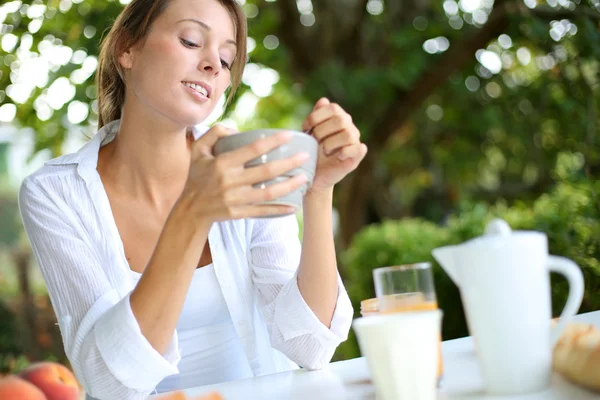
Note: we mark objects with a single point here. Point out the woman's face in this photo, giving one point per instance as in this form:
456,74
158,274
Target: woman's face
183,66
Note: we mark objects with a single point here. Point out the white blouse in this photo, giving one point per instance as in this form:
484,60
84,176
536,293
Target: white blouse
67,216
211,351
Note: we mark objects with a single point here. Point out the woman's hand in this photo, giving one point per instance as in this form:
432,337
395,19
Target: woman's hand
340,149
220,187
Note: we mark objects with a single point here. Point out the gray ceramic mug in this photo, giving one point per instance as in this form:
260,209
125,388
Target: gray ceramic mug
300,142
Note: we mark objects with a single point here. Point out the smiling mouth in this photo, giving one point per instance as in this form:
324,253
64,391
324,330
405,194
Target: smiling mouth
197,88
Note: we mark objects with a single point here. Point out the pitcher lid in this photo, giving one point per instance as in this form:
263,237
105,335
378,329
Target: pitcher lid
498,232
497,227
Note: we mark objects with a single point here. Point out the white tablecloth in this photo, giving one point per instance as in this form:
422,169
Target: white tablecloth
350,380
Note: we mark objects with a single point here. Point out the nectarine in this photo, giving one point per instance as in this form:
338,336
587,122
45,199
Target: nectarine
13,387
179,395
55,380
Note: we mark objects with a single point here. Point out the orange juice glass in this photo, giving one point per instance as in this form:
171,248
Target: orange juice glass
405,288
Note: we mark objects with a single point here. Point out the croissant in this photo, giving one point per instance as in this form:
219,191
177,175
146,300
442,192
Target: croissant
576,355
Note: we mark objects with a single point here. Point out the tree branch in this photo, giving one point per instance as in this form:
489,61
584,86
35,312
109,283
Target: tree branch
454,59
295,37
591,108
350,43
358,187
457,57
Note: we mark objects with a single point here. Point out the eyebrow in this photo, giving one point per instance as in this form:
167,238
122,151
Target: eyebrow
206,27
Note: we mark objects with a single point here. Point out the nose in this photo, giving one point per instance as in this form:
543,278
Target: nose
210,62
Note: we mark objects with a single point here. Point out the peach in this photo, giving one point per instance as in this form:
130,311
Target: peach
55,380
174,396
211,396
181,396
13,387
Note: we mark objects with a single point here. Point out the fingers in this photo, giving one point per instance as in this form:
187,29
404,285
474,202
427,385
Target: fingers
323,101
262,210
333,125
246,202
334,129
274,191
355,152
206,142
272,169
334,142
248,195
322,114
247,153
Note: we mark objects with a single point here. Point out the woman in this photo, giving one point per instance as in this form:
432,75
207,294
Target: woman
159,275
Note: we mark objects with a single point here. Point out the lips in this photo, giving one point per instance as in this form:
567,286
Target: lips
202,88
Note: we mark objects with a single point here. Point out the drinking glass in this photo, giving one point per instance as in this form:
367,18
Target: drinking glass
405,288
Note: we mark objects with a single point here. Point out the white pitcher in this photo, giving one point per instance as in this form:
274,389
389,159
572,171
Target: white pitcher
504,282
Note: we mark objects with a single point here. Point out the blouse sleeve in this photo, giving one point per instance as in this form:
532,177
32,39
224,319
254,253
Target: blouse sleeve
102,339
293,327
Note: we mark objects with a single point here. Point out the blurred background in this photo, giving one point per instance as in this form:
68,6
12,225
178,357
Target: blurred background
471,109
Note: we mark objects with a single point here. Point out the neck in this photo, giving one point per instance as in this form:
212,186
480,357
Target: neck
147,160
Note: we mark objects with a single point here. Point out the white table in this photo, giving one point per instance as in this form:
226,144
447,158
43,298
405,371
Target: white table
350,380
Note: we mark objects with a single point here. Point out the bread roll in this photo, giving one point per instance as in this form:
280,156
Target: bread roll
576,355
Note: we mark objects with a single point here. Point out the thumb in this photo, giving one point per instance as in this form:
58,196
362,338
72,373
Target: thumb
206,142
323,101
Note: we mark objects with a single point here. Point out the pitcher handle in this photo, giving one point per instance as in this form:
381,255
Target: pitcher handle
572,272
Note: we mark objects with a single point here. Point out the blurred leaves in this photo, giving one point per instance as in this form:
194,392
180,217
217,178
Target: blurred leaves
541,101
79,28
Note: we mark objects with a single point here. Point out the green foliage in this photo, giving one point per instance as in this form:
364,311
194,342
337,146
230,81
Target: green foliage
571,218
10,222
513,122
7,331
569,215
386,244
393,243
9,347
13,364
76,26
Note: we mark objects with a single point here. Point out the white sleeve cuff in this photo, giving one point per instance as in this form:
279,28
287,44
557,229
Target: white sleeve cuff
295,318
128,354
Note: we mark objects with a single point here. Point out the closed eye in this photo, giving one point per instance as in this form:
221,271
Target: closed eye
189,44
192,45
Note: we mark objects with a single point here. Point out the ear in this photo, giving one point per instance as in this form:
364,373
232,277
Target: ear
126,59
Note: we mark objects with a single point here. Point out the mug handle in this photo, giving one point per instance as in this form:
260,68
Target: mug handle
574,276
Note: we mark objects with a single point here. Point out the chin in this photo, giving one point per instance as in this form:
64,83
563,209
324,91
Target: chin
181,111
189,118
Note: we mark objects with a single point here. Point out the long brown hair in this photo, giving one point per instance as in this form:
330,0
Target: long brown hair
131,26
